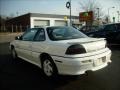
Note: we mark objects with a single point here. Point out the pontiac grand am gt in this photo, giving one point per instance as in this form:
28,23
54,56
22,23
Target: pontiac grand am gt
61,50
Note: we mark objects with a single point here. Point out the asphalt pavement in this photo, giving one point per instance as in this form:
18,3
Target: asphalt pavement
19,75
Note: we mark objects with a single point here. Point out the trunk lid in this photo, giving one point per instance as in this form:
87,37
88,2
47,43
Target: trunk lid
90,44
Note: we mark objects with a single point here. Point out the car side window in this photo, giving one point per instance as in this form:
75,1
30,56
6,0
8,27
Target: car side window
118,26
29,35
40,35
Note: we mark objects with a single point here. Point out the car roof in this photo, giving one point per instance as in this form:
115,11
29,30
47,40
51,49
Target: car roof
50,26
111,23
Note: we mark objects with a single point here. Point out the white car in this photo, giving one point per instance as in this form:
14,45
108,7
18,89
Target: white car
61,50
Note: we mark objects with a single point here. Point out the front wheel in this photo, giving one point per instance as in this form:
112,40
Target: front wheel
49,67
13,53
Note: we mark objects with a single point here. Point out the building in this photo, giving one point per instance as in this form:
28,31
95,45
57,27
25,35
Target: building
31,20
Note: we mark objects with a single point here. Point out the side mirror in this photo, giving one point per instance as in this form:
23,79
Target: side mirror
18,38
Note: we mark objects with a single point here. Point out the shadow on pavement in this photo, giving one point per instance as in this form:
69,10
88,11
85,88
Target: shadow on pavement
18,74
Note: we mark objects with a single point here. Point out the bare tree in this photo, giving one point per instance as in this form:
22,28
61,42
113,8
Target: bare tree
3,19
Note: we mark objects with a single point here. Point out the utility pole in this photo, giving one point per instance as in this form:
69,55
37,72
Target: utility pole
118,15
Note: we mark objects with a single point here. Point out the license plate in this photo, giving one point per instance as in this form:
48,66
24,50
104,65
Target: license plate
99,61
103,59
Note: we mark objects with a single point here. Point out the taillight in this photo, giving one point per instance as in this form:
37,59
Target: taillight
106,44
75,49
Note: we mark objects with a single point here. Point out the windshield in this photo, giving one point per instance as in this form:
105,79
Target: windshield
101,27
64,33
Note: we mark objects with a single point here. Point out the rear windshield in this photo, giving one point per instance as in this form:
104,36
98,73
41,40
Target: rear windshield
64,33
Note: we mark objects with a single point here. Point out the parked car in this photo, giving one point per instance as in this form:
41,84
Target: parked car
87,29
109,31
61,50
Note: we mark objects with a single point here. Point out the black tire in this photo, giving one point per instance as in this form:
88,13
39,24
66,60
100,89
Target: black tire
13,53
49,68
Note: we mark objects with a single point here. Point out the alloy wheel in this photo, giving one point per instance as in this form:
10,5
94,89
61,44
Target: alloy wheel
48,67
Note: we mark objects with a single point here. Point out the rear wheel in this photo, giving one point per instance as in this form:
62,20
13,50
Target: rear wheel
49,67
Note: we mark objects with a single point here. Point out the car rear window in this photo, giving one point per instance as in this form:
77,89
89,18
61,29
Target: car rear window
64,33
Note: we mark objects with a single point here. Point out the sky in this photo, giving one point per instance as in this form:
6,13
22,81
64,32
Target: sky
19,7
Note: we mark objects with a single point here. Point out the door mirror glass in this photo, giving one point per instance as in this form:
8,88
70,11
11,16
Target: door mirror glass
18,38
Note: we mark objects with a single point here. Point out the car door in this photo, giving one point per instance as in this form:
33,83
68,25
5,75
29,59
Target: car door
100,32
105,31
38,45
25,44
110,31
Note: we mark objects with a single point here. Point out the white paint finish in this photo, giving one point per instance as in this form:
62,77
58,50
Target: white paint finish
24,49
75,66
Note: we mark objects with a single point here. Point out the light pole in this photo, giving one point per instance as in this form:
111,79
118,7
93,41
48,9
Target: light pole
68,5
108,12
70,14
17,13
98,15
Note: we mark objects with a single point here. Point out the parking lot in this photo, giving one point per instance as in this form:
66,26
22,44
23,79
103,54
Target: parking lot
18,75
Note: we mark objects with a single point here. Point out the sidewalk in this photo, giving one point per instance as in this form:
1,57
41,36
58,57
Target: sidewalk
8,37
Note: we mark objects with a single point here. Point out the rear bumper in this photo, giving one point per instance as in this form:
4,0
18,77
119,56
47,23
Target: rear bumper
79,65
